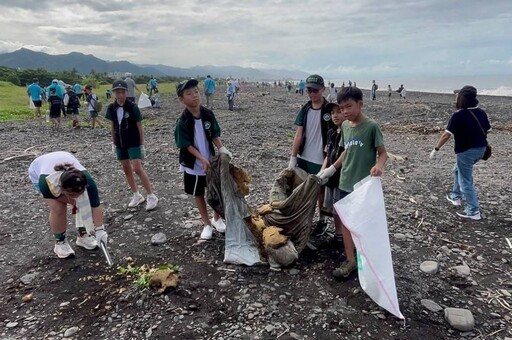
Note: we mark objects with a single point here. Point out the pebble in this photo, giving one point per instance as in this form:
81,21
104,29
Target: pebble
294,271
399,236
224,283
11,324
460,319
431,305
429,267
182,197
64,304
127,217
463,269
495,315
70,331
269,328
158,238
28,278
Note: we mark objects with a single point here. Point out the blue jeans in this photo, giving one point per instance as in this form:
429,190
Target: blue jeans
463,186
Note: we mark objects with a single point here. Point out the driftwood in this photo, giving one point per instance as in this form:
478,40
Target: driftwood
22,154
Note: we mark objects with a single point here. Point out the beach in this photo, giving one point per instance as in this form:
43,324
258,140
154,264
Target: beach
299,302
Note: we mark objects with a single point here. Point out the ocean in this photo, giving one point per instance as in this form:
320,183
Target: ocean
500,85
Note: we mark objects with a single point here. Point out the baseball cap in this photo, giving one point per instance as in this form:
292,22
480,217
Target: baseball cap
67,86
119,84
468,91
127,74
55,81
315,81
330,106
185,84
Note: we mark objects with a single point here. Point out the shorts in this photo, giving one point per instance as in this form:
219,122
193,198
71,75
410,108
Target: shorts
93,114
310,167
72,112
194,184
37,103
130,153
55,114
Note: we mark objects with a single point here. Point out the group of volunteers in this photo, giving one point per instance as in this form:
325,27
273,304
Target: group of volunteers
335,142
64,100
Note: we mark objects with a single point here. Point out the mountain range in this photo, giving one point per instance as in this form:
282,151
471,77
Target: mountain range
85,63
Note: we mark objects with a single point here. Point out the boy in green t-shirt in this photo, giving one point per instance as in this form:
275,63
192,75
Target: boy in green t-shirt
364,155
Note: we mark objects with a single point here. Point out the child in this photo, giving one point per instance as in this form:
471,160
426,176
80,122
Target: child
108,93
55,104
72,104
197,131
333,150
332,94
92,100
389,92
364,155
313,122
155,100
128,143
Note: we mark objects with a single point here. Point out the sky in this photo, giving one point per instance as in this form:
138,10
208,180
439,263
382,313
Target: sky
336,38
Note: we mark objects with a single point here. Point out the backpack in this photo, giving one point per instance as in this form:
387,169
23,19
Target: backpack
376,87
73,102
97,104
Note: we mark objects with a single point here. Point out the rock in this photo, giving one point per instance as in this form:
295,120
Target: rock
269,328
429,267
399,236
127,217
431,305
28,278
224,283
70,331
463,269
495,315
11,324
27,298
158,238
294,271
182,197
460,319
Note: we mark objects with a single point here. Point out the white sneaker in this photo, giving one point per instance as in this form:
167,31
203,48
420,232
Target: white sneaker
456,202
63,250
207,233
219,225
151,202
87,241
476,216
136,200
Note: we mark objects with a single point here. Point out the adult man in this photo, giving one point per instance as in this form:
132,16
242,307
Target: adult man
209,90
152,86
131,87
230,93
35,91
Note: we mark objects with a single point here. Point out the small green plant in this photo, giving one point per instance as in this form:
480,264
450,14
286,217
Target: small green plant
143,273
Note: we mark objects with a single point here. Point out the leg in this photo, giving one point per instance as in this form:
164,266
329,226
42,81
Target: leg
58,215
456,193
203,210
128,172
136,164
465,162
97,216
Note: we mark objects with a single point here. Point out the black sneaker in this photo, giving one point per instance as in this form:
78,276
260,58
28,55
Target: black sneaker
320,228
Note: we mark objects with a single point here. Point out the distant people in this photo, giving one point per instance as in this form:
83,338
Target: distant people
343,85
313,122
331,97
77,88
230,94
128,143
55,107
59,91
108,94
72,103
196,133
131,87
389,92
350,83
355,85
152,85
61,180
209,91
374,90
35,92
403,92
289,86
469,126
302,86
93,107
236,83
156,100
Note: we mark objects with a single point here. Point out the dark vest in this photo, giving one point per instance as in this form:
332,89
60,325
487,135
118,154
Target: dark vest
324,124
126,133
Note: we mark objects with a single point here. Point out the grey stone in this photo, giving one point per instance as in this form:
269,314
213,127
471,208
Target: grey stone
11,324
28,278
224,283
463,269
460,319
431,305
158,238
399,236
429,267
269,328
70,331
127,217
294,271
182,197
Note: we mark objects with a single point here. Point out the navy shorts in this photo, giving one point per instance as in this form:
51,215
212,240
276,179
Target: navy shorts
195,185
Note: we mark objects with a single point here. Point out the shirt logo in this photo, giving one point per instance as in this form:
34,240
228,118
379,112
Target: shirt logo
207,125
126,115
354,142
327,117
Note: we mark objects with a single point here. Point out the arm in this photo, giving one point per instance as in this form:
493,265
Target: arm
297,140
382,157
141,132
197,155
218,142
442,140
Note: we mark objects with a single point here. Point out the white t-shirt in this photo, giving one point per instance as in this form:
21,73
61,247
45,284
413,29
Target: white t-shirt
43,165
313,149
332,92
120,113
92,103
201,144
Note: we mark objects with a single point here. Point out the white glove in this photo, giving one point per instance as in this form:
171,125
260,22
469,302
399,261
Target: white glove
326,173
101,235
433,154
225,151
142,151
293,163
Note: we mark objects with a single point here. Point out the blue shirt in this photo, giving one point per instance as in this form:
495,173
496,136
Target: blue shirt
209,86
231,89
77,88
59,91
302,85
153,83
35,91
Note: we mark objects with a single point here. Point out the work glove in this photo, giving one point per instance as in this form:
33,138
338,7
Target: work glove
142,151
434,154
225,151
101,235
293,163
327,173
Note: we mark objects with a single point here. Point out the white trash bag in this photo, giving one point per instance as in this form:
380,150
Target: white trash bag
144,101
31,104
364,214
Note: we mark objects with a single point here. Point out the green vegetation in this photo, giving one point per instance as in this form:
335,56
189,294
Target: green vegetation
142,274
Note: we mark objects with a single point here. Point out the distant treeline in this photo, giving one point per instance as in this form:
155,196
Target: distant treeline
24,77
